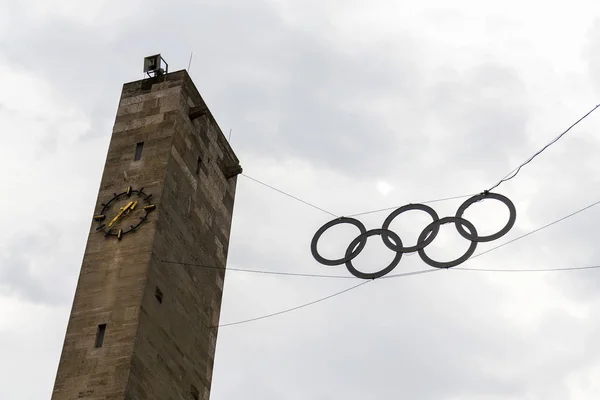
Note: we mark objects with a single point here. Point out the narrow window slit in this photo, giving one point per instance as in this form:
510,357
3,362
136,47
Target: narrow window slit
158,294
100,335
138,151
198,164
195,395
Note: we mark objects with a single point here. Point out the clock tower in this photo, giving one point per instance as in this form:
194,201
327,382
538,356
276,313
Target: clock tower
143,322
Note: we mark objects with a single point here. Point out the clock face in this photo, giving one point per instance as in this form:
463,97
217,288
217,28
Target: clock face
124,213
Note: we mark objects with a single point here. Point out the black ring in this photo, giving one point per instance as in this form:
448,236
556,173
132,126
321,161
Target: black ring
419,245
349,256
461,259
487,195
363,239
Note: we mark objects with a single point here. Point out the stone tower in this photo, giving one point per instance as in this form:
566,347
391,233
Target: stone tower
143,326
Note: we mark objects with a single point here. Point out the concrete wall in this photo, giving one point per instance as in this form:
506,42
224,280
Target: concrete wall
155,350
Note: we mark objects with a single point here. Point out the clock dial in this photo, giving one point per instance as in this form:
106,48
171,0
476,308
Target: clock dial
124,213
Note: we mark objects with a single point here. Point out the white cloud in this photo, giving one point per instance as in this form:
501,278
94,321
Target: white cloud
384,188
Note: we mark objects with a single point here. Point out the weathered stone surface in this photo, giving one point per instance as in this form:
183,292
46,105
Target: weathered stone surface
152,349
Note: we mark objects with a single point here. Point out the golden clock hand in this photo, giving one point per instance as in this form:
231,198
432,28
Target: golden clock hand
132,206
120,214
129,208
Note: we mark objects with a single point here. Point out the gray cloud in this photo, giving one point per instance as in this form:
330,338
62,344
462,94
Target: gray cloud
286,93
28,262
298,96
484,114
591,56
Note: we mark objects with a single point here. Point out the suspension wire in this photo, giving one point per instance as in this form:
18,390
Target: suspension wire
421,202
423,271
397,276
293,308
515,171
289,195
322,299
536,230
257,271
528,269
419,272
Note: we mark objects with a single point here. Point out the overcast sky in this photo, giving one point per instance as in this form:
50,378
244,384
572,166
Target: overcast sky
352,108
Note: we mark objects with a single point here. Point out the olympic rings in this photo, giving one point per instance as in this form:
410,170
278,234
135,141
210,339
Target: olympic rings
393,242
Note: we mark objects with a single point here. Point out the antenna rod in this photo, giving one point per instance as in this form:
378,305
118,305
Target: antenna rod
190,64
